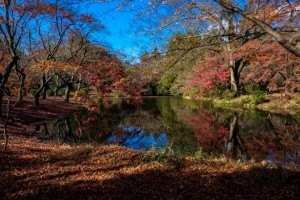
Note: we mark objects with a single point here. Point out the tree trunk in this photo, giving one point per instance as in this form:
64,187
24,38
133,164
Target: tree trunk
21,92
38,92
68,90
234,80
235,69
4,77
1,101
67,93
45,92
36,99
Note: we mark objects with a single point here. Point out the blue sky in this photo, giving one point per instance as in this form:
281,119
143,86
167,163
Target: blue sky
122,36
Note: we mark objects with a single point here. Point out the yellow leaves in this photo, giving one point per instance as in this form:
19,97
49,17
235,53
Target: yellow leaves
47,65
214,19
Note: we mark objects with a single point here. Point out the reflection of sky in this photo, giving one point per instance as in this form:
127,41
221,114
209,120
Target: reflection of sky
136,138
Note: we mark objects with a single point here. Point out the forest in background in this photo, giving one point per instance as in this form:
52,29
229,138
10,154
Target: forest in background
226,51
221,49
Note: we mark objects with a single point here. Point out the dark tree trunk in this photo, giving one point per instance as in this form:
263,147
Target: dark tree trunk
67,93
22,78
36,99
1,101
21,92
68,90
38,92
4,77
236,68
45,92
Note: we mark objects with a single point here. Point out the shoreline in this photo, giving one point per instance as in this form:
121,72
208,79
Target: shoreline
275,105
31,169
26,114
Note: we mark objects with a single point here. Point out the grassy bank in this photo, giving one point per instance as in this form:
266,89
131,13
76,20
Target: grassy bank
269,103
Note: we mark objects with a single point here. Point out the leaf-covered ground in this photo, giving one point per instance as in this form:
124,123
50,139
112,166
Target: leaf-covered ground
30,169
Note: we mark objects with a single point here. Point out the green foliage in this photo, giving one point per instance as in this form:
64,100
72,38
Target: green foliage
250,88
193,93
222,103
257,97
228,94
61,92
32,91
83,92
164,86
297,98
213,94
199,154
50,93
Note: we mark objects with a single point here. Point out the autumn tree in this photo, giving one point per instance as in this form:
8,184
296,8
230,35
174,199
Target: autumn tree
230,26
78,53
105,76
271,65
15,17
48,36
181,55
148,72
279,19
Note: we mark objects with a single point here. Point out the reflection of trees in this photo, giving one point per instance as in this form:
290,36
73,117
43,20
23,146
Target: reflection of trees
208,131
60,129
272,131
180,135
254,131
234,145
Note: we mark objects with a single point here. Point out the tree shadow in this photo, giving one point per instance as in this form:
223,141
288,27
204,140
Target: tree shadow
168,183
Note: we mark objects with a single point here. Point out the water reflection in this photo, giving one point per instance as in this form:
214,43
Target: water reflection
136,138
186,125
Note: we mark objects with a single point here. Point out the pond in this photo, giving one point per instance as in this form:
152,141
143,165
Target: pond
183,126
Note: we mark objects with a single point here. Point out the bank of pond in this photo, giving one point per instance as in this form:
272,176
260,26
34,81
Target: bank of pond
183,127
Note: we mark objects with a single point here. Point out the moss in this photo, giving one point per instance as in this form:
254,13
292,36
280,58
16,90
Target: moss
222,103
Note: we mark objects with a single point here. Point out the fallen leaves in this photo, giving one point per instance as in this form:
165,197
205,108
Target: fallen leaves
37,170
46,170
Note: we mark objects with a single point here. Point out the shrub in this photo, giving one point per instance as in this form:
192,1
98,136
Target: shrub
50,93
250,88
228,94
32,91
257,97
297,98
192,93
61,92
213,94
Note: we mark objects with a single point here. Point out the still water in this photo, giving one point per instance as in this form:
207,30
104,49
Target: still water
185,127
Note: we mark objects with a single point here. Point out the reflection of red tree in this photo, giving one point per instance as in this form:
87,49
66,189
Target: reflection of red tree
209,132
281,143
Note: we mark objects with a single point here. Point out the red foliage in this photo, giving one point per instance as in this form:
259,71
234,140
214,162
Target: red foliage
267,63
104,74
212,71
107,75
272,65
